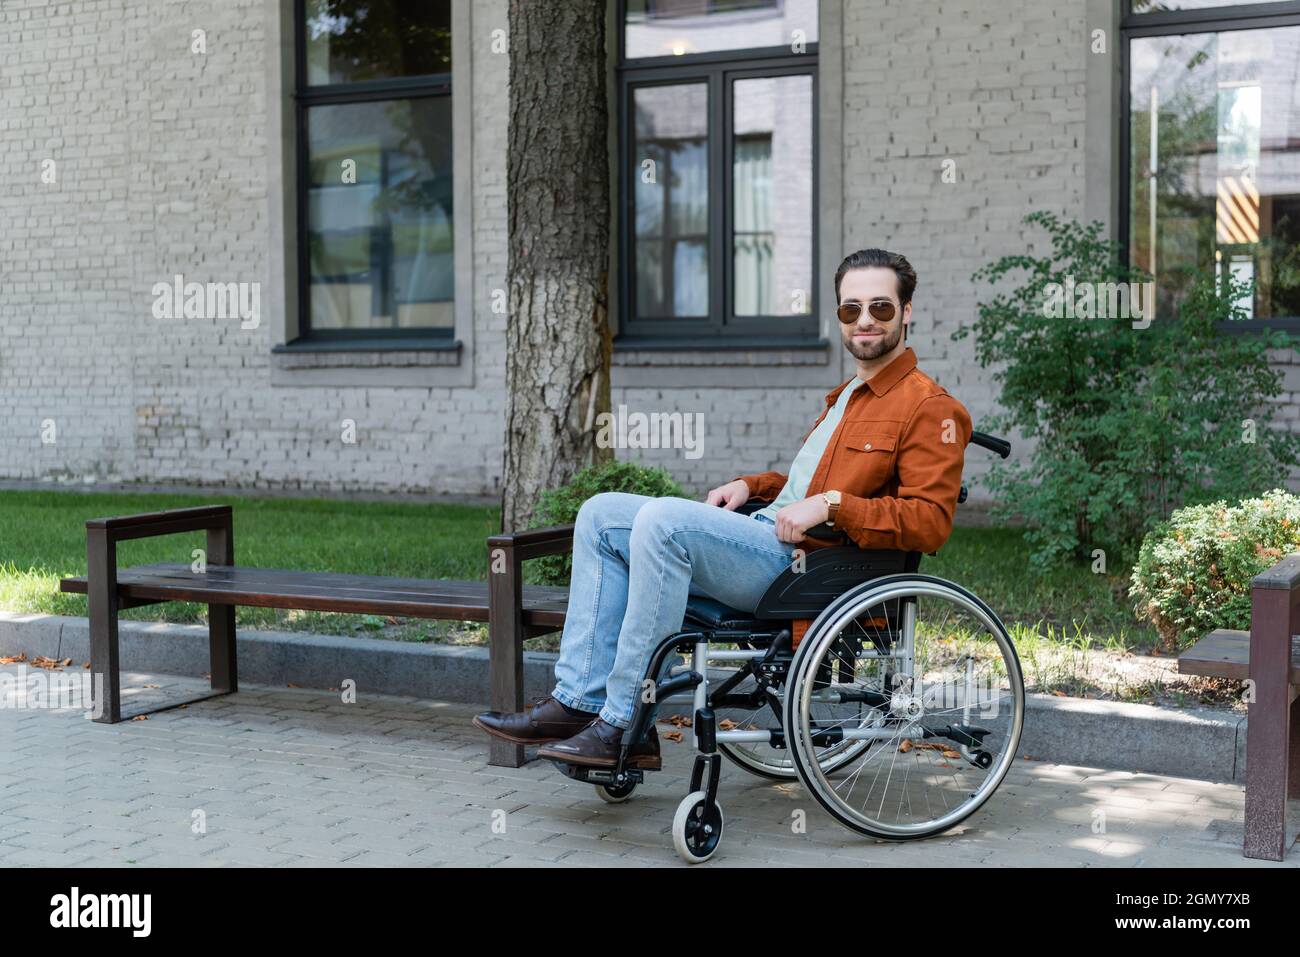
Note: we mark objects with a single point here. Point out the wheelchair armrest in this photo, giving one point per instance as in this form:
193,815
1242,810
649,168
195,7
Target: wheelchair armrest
752,506
826,532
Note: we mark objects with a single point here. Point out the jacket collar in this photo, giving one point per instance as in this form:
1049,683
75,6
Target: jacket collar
885,379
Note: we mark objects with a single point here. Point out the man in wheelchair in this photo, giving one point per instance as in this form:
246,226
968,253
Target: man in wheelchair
881,465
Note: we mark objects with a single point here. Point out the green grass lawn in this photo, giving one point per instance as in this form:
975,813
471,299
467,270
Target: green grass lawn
42,537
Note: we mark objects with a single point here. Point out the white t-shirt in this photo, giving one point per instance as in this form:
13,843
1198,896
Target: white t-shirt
806,460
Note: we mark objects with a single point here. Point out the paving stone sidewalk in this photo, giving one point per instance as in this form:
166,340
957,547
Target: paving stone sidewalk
290,777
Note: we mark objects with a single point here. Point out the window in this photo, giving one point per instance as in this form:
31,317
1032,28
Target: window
1211,138
375,169
718,169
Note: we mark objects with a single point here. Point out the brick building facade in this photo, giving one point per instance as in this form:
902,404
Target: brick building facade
130,159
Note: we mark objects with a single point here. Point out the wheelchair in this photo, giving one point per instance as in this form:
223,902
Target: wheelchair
899,708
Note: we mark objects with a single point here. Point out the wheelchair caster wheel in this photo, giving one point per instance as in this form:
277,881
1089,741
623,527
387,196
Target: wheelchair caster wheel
697,830
983,759
615,793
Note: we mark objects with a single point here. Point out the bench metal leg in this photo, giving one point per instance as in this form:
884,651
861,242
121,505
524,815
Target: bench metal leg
1293,762
101,601
221,648
221,618
1268,725
505,647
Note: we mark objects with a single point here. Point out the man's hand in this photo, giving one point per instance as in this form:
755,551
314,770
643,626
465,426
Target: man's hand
730,496
793,520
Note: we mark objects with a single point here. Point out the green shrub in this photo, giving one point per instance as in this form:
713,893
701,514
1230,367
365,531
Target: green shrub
1193,572
1128,423
559,506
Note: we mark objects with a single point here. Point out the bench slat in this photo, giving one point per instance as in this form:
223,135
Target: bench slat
328,591
1225,653
247,576
258,579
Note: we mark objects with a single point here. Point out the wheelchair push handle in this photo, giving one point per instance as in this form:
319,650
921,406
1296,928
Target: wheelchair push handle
991,442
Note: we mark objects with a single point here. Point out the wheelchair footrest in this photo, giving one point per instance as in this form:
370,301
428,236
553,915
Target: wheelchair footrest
611,777
962,734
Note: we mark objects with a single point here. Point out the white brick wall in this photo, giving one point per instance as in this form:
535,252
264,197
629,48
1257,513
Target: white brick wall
161,162
162,169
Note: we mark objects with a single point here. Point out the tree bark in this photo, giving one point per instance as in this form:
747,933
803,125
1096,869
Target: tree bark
557,334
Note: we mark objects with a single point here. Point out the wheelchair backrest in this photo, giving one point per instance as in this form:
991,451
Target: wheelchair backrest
821,576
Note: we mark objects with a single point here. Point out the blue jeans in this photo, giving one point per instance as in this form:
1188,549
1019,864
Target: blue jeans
636,561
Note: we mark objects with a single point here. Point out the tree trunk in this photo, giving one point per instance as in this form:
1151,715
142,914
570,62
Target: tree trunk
557,337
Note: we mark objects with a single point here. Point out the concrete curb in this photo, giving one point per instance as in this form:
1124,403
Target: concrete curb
442,672
1193,743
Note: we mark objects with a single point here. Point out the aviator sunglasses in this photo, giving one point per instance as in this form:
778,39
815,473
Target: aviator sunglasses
881,310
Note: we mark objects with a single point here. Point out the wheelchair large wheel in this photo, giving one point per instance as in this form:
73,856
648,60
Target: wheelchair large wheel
942,681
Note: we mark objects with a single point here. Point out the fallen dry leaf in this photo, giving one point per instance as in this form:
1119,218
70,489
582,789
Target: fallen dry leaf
924,746
290,685
677,721
726,724
905,745
153,686
50,664
675,736
141,717
16,659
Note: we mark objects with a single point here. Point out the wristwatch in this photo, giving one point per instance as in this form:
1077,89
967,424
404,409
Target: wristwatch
832,500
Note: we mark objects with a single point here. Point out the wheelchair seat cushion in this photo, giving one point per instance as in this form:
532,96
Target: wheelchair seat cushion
709,613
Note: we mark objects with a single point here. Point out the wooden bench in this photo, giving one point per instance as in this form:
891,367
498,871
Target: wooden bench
513,611
1269,657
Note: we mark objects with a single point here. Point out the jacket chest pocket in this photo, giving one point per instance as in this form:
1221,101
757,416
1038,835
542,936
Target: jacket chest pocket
868,458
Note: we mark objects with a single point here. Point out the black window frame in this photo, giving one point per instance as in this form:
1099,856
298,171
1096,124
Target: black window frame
369,91
1221,19
718,71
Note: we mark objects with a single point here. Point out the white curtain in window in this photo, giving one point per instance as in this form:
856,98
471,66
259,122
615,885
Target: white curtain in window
752,220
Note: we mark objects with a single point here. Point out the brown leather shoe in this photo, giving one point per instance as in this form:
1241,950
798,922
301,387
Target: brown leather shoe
542,722
597,746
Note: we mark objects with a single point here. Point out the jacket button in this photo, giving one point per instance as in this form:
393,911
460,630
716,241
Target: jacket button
867,446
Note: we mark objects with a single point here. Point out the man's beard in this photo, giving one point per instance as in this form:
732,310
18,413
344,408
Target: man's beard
876,349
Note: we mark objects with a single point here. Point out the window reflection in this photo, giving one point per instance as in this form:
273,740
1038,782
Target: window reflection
670,169
656,28
1215,123
380,247
351,41
772,174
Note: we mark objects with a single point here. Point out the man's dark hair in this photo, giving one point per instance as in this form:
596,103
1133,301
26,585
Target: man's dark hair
866,258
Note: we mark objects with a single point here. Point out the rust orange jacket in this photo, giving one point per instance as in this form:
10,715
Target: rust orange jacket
896,458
